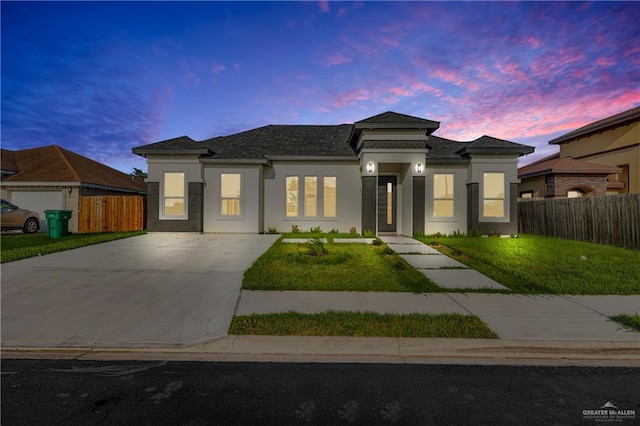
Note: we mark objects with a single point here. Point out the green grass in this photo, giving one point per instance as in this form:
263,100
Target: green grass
343,267
545,265
629,321
328,235
365,324
21,246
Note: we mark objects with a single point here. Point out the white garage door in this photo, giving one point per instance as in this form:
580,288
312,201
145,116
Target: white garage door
38,201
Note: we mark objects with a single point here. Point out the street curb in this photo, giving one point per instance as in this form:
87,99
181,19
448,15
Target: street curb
361,350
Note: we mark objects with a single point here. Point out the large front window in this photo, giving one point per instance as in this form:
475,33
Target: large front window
329,200
173,195
310,196
493,195
292,196
231,191
443,195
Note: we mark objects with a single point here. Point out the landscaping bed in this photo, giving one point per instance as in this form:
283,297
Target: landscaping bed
21,246
359,324
545,265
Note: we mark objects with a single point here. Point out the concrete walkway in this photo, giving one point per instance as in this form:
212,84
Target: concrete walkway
441,269
510,316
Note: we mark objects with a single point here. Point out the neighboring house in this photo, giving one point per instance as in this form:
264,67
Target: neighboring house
385,174
596,159
53,178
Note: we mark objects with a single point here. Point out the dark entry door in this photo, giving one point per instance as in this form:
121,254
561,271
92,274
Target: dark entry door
387,203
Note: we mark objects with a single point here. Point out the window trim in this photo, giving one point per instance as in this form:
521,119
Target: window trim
434,199
505,199
240,198
163,197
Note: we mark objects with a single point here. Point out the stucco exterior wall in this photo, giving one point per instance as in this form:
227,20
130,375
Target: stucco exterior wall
535,185
459,220
348,195
250,200
617,147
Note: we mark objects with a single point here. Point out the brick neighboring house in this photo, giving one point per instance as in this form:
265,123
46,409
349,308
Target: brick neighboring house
53,178
600,158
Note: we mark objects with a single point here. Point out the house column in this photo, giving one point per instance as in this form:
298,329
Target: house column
419,195
369,204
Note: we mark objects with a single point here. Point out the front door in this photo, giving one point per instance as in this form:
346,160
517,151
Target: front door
387,203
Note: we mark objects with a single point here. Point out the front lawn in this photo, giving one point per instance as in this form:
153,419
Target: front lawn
21,246
369,324
632,322
537,264
341,267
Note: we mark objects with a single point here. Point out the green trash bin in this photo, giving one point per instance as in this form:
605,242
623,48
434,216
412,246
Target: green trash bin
58,222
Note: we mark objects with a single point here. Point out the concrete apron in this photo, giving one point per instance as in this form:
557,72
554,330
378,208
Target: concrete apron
159,289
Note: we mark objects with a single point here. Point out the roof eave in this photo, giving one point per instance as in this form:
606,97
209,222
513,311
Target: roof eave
150,151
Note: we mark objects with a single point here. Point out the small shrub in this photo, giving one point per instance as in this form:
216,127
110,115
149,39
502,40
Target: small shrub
494,234
334,231
419,235
475,233
316,248
316,230
377,242
353,230
386,250
295,229
272,230
367,233
438,235
457,233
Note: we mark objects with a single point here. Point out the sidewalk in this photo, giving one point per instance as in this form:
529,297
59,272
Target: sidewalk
510,316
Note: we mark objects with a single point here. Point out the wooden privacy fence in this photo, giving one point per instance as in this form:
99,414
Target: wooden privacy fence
606,219
111,213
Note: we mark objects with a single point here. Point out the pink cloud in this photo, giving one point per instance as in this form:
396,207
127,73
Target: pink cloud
353,96
532,41
511,70
448,76
536,117
336,59
605,62
324,6
217,68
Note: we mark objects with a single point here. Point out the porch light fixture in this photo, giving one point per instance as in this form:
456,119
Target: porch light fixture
419,167
369,167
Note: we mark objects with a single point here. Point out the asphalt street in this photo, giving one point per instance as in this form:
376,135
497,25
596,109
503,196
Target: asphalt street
39,392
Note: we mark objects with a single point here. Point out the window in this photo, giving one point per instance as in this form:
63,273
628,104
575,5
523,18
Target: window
575,193
443,195
493,195
329,200
310,196
292,196
230,192
173,195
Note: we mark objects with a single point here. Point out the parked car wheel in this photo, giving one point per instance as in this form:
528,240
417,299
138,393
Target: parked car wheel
31,226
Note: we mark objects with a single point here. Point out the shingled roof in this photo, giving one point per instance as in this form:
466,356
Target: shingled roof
53,163
621,119
564,165
491,145
283,140
335,141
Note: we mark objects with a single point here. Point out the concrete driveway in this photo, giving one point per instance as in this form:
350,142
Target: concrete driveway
157,289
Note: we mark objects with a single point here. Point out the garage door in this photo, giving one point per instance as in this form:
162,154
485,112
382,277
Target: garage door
38,201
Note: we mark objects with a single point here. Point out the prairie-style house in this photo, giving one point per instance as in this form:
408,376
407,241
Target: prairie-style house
386,174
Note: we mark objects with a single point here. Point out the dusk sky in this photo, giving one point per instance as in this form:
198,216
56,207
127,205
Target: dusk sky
100,78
